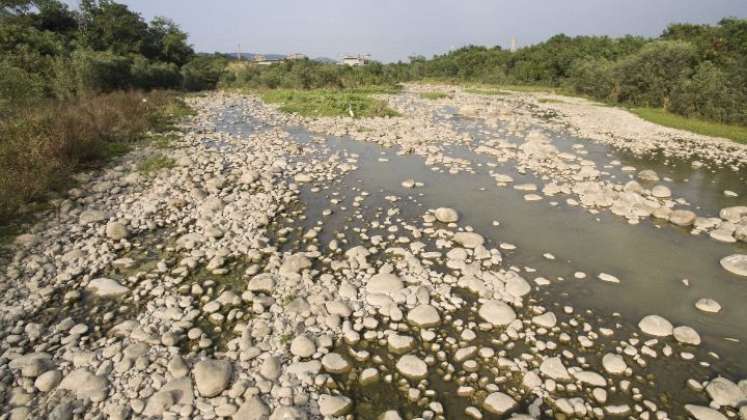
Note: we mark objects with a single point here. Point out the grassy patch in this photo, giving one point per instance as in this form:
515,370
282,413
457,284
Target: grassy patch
155,163
433,95
708,128
485,91
328,103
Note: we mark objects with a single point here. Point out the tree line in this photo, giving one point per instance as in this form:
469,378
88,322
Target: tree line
692,70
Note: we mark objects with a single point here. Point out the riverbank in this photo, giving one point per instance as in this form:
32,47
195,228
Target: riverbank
473,256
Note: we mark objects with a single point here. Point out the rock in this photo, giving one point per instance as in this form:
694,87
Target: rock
412,367
736,264
609,278
446,215
424,316
408,183
212,376
390,415
686,335
91,216
497,313
264,283
733,214
302,178
335,363
498,403
303,347
48,380
294,264
614,364
590,378
85,385
682,217
116,231
700,412
252,409
158,403
648,175
656,325
553,367
725,392
708,305
400,343
104,287
384,283
270,368
660,191
334,406
468,239
546,320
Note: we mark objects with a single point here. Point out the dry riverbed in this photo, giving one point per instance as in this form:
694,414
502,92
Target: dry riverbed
508,256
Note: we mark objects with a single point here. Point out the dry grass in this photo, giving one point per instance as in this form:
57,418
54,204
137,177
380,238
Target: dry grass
41,146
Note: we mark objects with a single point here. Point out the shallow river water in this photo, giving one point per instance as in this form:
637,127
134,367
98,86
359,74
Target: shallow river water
650,259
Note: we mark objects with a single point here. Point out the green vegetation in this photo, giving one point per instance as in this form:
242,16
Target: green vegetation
155,163
695,125
327,103
433,95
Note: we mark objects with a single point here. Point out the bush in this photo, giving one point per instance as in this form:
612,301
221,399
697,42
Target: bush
203,72
147,74
710,94
592,77
648,77
88,72
18,88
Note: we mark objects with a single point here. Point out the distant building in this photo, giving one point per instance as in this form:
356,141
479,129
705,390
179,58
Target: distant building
513,44
264,61
355,60
296,56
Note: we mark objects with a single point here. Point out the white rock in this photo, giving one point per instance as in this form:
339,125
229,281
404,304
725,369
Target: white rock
725,392
498,403
708,305
446,215
212,376
424,316
497,313
736,264
656,325
412,367
334,406
553,367
700,412
614,364
303,347
686,335
335,363
104,287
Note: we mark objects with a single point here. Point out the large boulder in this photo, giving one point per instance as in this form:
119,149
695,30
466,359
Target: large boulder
497,313
212,377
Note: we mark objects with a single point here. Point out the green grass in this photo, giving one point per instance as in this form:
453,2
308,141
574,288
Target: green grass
433,95
328,103
155,163
659,116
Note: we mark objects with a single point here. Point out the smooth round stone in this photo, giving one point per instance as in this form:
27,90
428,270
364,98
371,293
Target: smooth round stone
546,320
334,406
660,191
699,412
708,305
498,403
648,175
412,367
468,239
384,283
656,325
270,368
682,217
497,313
736,264
614,364
446,215
47,381
686,335
724,392
335,363
424,316
212,376
302,346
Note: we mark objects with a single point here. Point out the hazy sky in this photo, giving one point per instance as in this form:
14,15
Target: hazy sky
390,30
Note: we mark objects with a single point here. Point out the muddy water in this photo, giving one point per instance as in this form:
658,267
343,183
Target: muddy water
650,259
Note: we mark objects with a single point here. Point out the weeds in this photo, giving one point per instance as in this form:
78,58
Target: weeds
708,128
155,163
41,146
328,103
433,95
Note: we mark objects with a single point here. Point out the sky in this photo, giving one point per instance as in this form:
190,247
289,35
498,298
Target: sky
391,30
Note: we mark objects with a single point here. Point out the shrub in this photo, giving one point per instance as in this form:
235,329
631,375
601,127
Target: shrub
147,74
711,93
203,72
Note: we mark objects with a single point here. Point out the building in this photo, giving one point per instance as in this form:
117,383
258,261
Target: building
296,56
264,61
355,60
